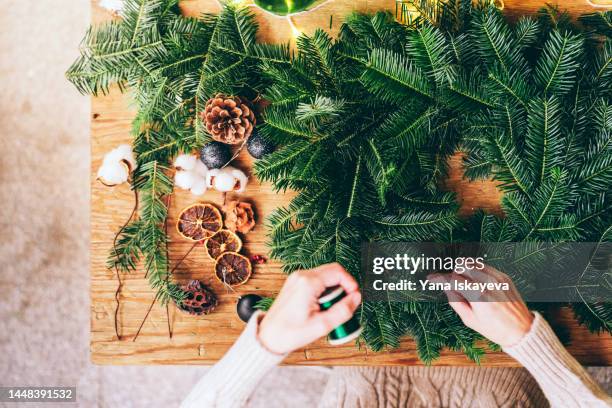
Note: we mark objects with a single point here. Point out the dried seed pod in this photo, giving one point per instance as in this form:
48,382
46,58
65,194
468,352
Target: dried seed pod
239,216
199,300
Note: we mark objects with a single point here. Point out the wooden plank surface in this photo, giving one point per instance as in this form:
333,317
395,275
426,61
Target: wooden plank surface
203,340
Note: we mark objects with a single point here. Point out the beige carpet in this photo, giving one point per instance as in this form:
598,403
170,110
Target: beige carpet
44,165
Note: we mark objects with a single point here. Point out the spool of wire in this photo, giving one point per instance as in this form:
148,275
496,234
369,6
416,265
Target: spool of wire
347,331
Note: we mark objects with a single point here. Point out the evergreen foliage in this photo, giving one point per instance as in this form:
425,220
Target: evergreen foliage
172,65
366,123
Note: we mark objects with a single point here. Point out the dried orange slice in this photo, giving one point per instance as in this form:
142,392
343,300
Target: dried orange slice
199,221
223,241
232,268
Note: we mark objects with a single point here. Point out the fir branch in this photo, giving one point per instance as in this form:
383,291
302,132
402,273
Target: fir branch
392,78
556,68
365,124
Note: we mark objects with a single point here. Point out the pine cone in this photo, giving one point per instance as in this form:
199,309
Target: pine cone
228,119
199,300
239,216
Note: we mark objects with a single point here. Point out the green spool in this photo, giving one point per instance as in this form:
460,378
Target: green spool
284,7
345,332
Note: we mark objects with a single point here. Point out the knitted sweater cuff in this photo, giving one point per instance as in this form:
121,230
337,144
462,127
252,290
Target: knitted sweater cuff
230,382
562,379
253,354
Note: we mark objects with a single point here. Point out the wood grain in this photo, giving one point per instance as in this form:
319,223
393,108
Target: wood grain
203,340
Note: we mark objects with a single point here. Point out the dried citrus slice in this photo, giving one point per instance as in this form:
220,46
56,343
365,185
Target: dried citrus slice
232,268
223,241
199,221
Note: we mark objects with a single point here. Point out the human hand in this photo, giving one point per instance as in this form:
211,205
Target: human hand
500,316
295,320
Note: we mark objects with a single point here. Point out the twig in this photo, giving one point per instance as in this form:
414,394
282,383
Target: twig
235,154
168,203
120,285
146,316
157,295
168,319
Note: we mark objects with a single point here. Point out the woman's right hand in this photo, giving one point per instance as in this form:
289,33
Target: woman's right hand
502,317
295,319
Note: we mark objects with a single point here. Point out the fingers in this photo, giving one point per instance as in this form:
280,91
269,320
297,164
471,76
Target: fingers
491,274
465,293
463,309
339,313
455,299
499,276
487,274
331,275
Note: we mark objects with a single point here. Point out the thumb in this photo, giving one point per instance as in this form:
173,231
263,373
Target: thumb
339,313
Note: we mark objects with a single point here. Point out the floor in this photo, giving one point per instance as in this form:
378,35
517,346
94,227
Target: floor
44,165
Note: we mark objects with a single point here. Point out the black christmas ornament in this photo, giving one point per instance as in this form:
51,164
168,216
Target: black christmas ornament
258,146
246,306
215,155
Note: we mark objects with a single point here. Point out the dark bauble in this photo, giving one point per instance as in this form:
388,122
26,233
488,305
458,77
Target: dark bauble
258,146
246,306
215,155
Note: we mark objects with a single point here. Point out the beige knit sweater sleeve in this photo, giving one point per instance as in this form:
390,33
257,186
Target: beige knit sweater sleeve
230,382
562,379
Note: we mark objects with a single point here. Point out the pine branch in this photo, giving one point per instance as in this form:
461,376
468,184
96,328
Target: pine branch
392,78
365,124
544,142
496,45
557,67
428,48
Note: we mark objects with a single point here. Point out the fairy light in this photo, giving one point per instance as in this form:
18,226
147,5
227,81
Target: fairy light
289,4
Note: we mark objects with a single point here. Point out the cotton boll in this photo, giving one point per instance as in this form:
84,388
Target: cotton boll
185,162
200,168
212,173
199,187
224,182
227,179
112,157
241,178
116,6
125,153
112,174
220,180
122,152
185,179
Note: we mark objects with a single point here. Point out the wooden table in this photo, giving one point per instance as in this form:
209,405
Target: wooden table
203,340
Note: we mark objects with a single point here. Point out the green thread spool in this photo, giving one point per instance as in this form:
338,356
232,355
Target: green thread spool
345,332
286,7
